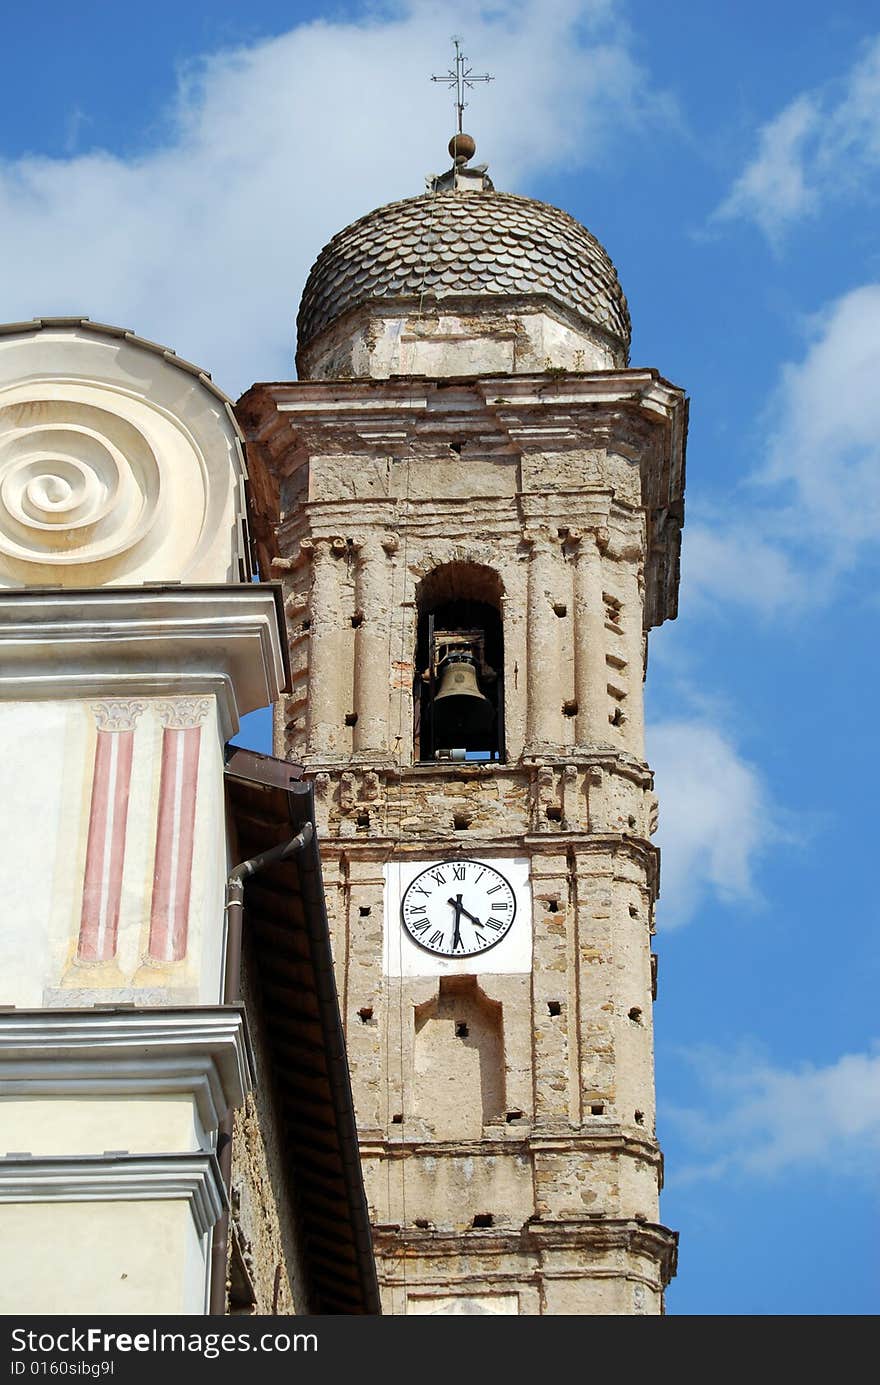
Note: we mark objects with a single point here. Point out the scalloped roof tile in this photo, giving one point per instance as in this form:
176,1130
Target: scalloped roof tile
463,245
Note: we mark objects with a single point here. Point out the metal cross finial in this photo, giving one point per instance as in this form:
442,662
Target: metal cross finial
461,77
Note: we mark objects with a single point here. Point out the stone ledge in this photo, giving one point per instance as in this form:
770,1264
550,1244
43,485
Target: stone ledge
596,1141
648,1239
119,1178
203,1051
145,641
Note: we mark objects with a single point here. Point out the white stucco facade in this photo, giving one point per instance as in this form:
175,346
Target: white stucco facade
131,643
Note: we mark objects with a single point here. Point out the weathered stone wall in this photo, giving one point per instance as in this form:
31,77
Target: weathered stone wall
265,1258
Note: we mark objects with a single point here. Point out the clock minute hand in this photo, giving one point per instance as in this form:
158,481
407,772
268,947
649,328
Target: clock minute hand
456,932
460,909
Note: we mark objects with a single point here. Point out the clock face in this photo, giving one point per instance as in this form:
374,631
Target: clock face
458,908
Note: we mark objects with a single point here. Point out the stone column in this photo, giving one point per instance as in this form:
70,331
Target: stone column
372,665
633,632
544,705
590,670
326,712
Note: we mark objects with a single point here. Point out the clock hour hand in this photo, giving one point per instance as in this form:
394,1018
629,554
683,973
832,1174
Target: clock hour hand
460,909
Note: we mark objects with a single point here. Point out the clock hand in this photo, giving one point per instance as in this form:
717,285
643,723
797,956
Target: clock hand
462,910
456,932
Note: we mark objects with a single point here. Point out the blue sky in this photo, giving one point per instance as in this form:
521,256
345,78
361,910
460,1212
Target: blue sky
176,168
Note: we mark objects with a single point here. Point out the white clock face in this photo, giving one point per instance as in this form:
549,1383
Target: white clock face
458,908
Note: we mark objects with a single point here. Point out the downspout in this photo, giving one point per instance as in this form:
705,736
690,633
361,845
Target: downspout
231,985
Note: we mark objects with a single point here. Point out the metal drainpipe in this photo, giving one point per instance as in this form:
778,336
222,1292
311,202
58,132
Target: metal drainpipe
231,983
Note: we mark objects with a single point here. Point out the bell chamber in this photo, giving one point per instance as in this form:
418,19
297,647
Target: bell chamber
459,696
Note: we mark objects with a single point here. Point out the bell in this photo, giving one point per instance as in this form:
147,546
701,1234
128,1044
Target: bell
462,714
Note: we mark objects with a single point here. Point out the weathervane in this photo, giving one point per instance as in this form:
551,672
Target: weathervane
461,77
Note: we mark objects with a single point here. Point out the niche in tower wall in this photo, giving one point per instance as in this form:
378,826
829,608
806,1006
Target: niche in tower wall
458,690
459,1060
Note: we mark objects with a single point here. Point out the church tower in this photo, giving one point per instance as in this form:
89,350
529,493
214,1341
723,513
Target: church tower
475,506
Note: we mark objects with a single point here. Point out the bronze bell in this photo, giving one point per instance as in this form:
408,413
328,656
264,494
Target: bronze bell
462,714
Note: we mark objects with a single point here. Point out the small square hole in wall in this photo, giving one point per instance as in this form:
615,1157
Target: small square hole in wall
554,812
554,1007
570,708
635,1015
639,1117
357,619
560,609
351,718
423,1224
631,820
362,822
633,912
597,1109
365,1014
397,1118
461,822
461,1029
306,625
483,1219
364,911
513,1116
552,906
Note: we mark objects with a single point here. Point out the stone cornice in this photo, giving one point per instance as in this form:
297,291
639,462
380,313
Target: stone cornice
593,1235
610,1141
144,641
194,1178
611,761
633,413
202,1051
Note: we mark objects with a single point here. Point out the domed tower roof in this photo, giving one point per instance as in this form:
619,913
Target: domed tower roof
463,251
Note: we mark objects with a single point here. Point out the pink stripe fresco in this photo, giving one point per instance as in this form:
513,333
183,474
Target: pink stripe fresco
105,852
172,875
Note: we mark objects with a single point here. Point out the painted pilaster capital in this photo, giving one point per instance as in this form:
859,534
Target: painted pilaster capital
116,714
183,713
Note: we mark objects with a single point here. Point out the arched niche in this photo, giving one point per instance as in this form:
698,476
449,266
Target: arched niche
458,693
459,1078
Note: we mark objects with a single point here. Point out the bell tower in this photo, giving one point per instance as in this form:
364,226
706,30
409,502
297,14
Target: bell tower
475,505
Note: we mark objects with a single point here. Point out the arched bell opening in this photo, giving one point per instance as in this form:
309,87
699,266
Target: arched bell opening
458,694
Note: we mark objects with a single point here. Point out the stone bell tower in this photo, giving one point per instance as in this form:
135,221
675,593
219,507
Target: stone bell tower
475,508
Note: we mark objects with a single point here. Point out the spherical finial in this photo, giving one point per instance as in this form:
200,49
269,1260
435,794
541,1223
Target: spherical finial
462,148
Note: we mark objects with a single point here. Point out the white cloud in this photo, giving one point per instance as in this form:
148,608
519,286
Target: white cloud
822,144
204,243
734,563
772,190
811,510
825,444
758,1119
716,817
